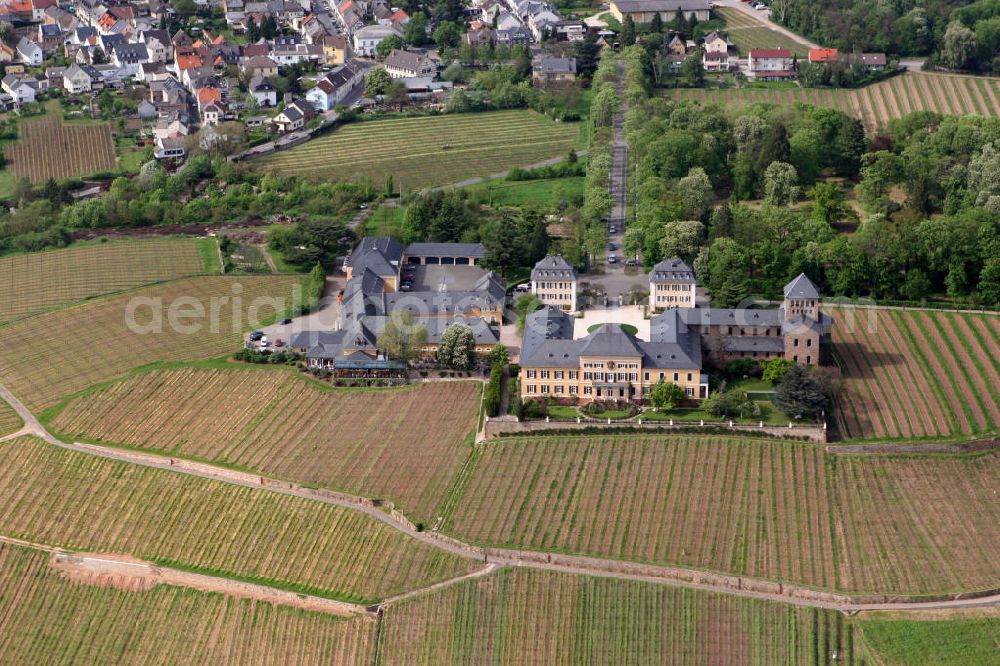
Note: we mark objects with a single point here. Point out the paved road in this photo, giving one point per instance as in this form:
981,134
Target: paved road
674,576
615,282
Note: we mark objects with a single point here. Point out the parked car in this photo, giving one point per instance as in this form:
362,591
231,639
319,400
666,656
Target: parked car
613,230
406,286
363,206
612,259
523,288
612,246
631,262
256,335
279,343
264,344
286,320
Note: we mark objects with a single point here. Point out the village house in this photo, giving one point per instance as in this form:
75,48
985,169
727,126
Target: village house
404,64
21,88
260,66
719,53
367,39
263,91
29,52
294,116
553,282
336,49
771,64
549,70
78,79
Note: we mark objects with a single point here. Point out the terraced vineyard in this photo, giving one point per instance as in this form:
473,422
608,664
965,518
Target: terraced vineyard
58,353
40,281
49,148
749,33
49,619
433,150
403,444
877,104
85,503
525,617
762,508
967,638
917,374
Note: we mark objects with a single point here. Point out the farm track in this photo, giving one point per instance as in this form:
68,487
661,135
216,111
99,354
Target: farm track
609,568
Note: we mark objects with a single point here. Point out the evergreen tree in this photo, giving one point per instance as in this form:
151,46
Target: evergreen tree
656,25
628,31
799,394
774,147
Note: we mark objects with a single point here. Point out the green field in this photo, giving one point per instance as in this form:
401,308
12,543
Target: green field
877,104
749,33
900,640
55,354
48,619
40,281
529,617
86,503
546,191
427,151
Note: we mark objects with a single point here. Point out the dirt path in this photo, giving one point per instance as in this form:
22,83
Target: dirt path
127,573
491,557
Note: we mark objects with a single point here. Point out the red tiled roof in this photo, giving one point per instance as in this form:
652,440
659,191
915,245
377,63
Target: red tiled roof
188,61
823,55
770,53
209,95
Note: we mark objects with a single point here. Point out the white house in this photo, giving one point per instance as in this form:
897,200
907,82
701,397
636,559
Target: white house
130,58
263,91
367,39
29,52
336,86
21,88
77,79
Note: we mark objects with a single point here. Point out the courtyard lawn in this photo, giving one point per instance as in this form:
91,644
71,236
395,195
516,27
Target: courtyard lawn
563,413
429,150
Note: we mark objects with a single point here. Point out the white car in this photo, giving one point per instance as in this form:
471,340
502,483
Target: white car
761,6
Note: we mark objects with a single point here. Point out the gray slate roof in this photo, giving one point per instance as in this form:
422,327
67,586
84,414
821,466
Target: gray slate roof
730,317
801,288
672,270
669,6
390,249
553,267
477,250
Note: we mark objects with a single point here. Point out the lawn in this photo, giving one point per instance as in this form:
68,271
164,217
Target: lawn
49,618
55,354
400,444
39,281
547,191
765,508
101,505
628,328
968,641
430,150
529,617
563,412
386,221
